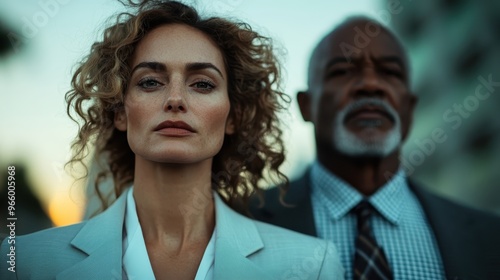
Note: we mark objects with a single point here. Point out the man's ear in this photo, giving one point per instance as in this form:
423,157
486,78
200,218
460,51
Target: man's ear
229,125
304,100
412,103
121,120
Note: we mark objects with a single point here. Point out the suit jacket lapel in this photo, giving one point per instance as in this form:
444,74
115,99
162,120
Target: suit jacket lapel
237,238
454,232
101,239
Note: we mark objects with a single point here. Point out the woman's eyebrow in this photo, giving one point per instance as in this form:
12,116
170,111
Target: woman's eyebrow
155,66
160,67
194,66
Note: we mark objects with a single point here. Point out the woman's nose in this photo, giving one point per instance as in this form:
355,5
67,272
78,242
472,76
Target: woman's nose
175,98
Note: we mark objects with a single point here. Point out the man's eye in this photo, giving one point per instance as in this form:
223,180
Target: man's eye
391,72
337,72
148,83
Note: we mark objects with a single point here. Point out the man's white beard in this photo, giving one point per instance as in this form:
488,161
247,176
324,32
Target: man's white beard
350,144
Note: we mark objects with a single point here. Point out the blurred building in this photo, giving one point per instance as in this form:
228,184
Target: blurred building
5,44
30,214
455,52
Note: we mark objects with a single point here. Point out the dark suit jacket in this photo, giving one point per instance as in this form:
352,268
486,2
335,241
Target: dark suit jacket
468,239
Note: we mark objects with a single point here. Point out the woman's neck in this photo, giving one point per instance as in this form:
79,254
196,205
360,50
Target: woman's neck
174,202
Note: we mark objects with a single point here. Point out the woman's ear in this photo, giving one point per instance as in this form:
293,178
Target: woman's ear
121,120
230,126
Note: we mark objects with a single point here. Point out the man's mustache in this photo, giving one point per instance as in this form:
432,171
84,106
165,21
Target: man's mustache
380,105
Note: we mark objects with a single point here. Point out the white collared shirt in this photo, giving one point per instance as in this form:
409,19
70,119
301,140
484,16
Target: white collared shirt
136,264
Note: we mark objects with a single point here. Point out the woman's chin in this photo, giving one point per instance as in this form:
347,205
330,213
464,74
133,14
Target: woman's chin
178,158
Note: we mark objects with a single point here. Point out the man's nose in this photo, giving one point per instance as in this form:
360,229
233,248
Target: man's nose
368,84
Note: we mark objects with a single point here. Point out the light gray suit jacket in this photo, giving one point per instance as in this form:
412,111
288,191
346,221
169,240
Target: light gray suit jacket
244,249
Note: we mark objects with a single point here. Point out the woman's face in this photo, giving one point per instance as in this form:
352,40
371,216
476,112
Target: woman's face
176,103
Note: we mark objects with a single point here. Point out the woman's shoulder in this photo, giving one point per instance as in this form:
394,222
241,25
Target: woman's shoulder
303,255
45,252
271,235
42,237
59,238
280,235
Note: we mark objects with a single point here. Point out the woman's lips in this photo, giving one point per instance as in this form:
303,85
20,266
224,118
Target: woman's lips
174,128
174,131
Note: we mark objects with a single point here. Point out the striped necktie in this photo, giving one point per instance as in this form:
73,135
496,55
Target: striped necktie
370,261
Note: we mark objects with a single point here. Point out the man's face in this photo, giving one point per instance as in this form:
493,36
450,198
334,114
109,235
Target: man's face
359,99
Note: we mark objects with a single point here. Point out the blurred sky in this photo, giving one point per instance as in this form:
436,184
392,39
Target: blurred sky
51,36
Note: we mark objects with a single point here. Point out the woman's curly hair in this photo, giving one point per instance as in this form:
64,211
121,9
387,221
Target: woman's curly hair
248,156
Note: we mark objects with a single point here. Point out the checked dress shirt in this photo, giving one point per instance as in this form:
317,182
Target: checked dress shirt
399,224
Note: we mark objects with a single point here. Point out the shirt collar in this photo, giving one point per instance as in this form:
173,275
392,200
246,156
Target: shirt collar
135,256
339,197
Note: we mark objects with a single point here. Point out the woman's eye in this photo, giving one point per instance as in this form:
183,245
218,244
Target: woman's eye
203,85
149,83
